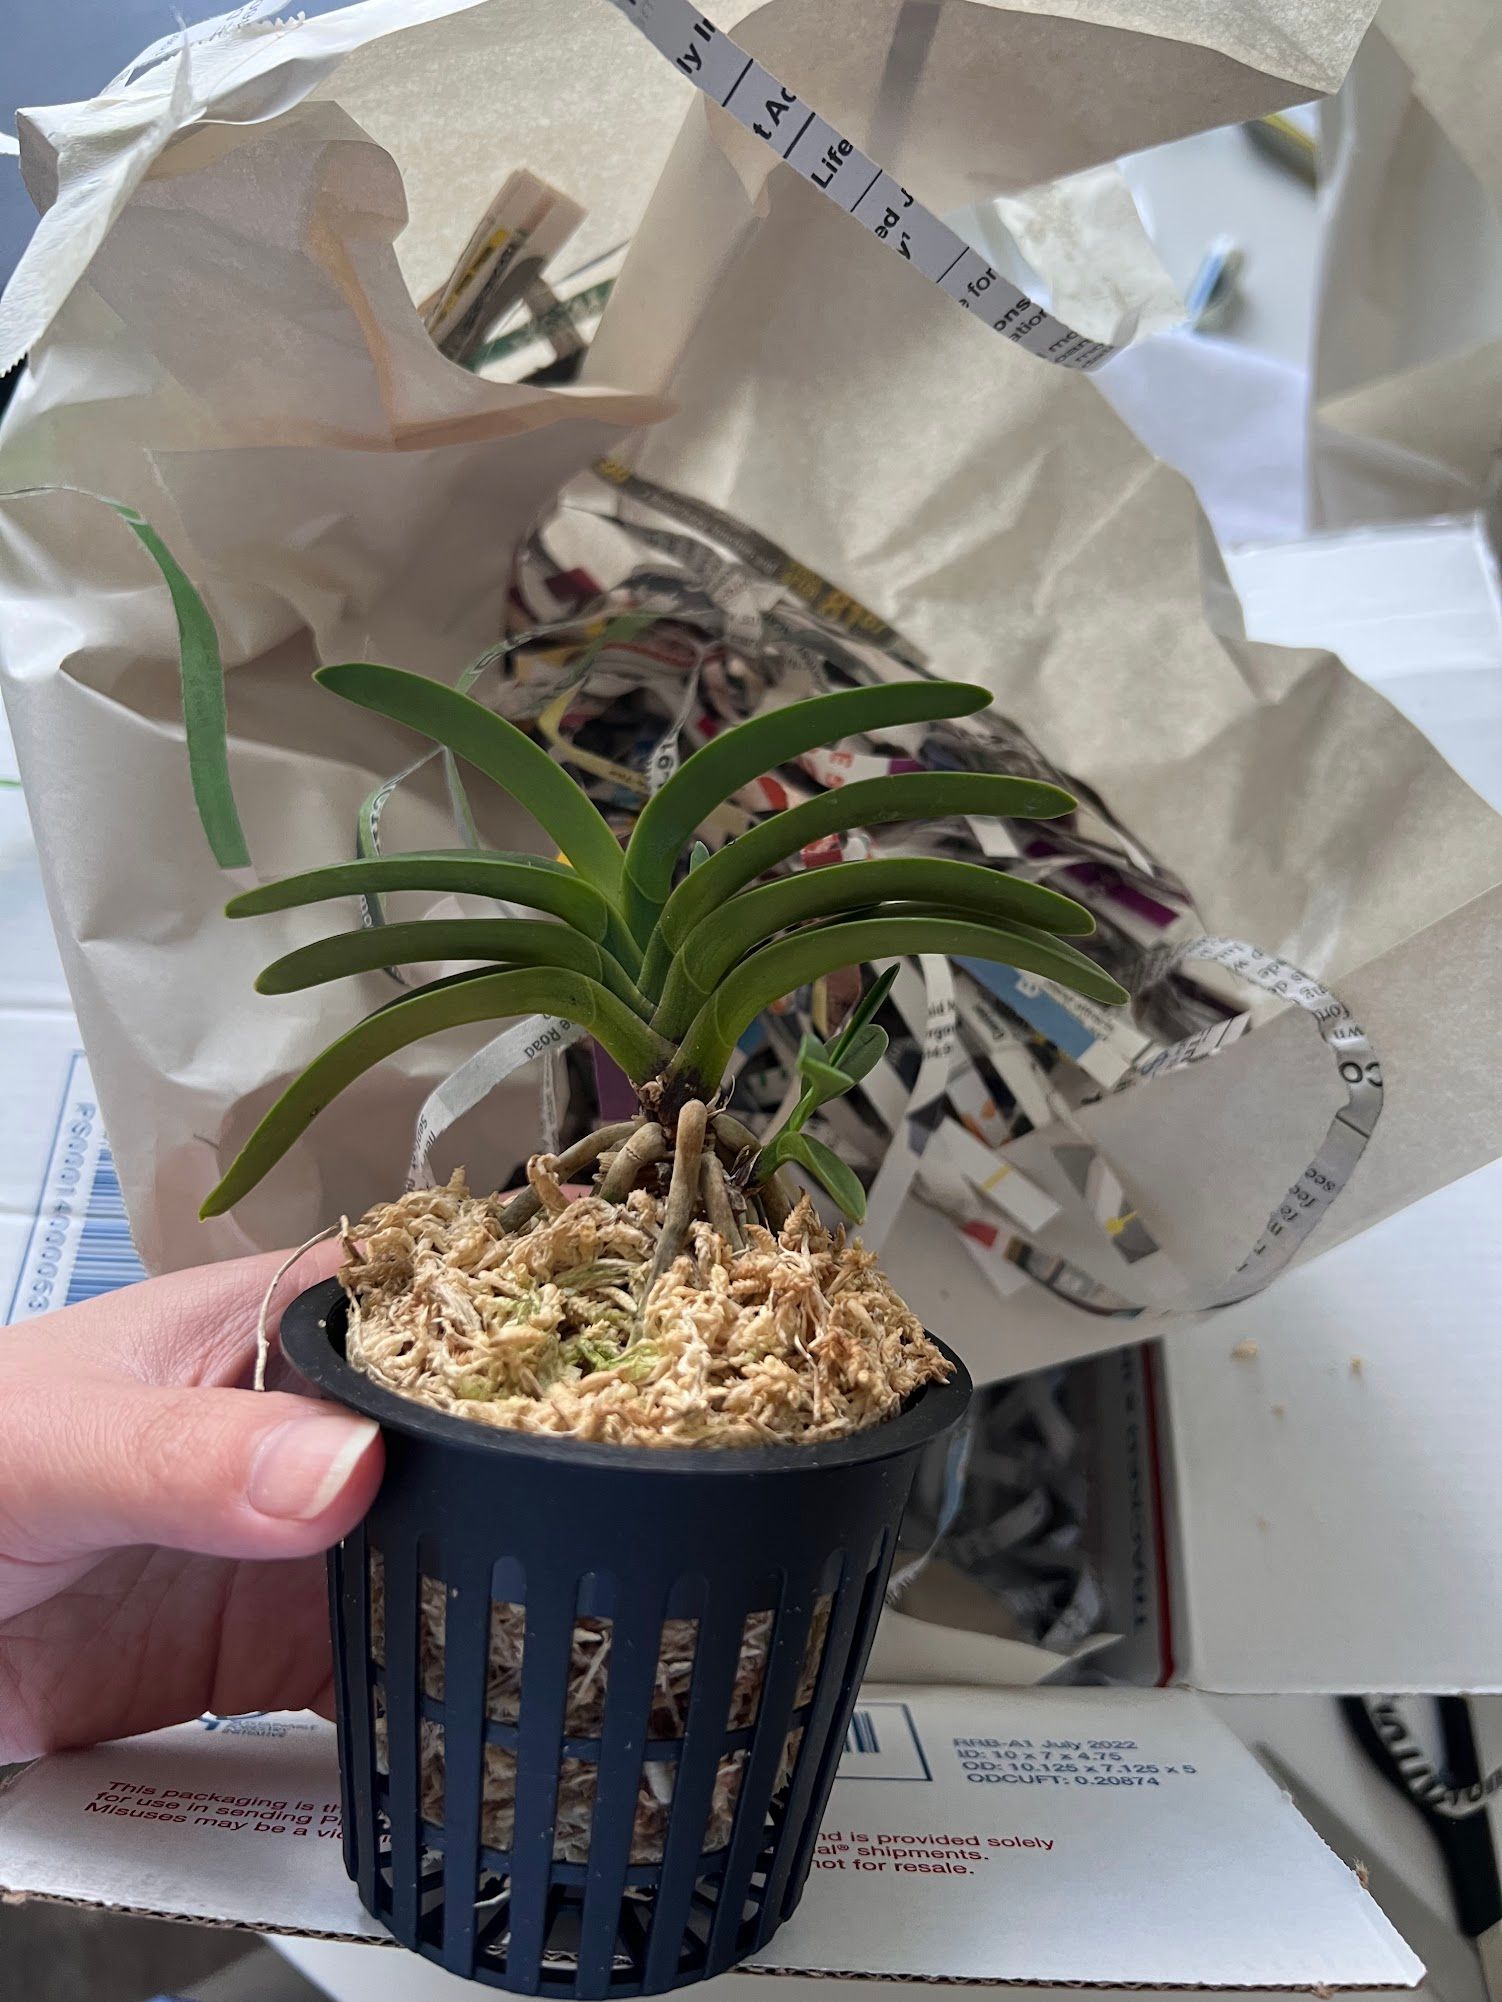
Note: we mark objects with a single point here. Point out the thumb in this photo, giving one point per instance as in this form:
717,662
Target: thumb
226,1473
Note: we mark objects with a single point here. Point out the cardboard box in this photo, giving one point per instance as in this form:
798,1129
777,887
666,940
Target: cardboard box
1300,1498
1089,1837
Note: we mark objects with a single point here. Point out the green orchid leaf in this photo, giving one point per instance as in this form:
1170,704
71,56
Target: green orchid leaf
474,997
823,1080
832,1174
507,941
862,1014
496,747
201,679
772,1154
789,963
205,721
698,855
864,803
750,750
515,879
860,1045
864,1053
752,917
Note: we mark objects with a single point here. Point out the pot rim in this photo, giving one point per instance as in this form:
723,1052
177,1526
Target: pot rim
312,1341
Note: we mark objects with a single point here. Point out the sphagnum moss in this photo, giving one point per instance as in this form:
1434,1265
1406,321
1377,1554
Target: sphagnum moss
561,1327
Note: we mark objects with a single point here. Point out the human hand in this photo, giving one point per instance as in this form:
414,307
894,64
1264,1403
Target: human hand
159,1523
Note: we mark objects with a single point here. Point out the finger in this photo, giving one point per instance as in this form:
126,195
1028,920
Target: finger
95,1465
196,1326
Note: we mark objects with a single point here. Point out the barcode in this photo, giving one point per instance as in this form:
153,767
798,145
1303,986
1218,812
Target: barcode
861,1737
79,1244
105,1257
882,1743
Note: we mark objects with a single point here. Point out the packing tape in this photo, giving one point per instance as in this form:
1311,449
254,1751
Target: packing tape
850,179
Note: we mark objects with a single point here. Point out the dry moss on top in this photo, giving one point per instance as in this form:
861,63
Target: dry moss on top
558,1327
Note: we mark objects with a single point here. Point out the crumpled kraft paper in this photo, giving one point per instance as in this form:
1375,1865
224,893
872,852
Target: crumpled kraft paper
1010,524
242,361
1407,361
965,98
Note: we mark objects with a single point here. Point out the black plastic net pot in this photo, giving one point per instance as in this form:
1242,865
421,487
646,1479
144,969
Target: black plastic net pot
591,1698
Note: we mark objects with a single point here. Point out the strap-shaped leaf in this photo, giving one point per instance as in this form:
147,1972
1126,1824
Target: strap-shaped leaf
513,879
205,724
726,935
506,941
789,963
201,674
497,748
449,1004
753,748
864,803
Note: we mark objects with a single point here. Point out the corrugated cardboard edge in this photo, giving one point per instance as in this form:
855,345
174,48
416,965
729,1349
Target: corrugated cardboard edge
10,1774
12,1897
9,1896
1084,1987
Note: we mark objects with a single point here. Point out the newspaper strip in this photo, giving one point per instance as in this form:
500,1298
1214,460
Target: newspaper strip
524,227
1311,1194
849,178
473,1080
759,554
924,1107
1360,1071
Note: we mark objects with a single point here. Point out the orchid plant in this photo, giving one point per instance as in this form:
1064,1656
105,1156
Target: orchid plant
668,966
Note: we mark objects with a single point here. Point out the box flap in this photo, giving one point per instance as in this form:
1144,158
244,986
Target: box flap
1337,1489
233,1823
1082,1836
